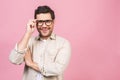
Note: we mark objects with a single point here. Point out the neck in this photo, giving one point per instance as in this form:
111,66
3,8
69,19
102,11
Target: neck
44,38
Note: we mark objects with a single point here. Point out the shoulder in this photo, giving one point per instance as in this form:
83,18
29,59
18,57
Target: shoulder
63,43
32,39
62,40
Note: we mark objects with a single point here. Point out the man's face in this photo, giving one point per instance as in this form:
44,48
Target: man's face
45,24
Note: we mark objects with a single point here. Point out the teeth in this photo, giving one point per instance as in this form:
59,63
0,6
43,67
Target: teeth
44,30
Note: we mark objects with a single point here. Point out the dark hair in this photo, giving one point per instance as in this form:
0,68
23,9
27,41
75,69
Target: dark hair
44,9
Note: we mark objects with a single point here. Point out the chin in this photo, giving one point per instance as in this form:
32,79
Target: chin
45,35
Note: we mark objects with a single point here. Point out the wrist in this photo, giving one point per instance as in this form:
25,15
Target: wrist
34,65
30,64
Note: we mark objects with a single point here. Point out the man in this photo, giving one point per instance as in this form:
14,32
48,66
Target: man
46,55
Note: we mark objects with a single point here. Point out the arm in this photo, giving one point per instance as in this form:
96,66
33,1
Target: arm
17,54
29,62
59,65
24,41
54,68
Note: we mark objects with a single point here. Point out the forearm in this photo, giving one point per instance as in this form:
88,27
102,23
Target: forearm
29,62
34,66
52,69
24,41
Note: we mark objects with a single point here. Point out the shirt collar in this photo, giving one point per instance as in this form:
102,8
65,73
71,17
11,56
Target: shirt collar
52,37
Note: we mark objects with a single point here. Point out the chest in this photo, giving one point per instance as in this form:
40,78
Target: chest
47,51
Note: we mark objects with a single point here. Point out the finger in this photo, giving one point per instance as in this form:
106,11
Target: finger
34,21
32,26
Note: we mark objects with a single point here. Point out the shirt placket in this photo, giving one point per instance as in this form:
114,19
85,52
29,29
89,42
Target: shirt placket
42,58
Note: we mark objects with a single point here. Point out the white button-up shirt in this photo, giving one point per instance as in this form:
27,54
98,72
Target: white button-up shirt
52,57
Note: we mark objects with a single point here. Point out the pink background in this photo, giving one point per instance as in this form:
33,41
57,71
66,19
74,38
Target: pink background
92,27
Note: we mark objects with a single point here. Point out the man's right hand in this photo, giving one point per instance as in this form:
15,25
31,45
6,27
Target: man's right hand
31,25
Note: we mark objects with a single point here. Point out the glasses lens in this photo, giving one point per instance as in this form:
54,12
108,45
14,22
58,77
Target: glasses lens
41,22
48,22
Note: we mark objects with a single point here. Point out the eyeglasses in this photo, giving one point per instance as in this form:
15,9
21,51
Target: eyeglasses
41,22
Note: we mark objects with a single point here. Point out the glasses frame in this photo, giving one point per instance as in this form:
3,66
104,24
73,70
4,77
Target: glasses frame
44,21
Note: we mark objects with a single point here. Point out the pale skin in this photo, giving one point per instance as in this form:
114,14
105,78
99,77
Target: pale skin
44,30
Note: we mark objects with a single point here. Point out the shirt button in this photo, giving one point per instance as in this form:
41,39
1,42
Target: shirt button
36,75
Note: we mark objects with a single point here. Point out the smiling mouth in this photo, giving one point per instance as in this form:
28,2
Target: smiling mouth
44,30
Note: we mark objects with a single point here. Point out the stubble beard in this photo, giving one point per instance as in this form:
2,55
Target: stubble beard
42,34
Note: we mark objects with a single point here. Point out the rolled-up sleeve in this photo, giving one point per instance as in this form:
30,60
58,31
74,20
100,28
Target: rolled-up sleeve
17,56
61,61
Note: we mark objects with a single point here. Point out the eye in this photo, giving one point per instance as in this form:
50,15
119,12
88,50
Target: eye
48,22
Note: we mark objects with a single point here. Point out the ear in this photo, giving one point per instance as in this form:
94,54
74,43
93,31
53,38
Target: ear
53,21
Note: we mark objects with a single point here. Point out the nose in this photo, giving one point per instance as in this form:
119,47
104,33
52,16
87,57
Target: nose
44,25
